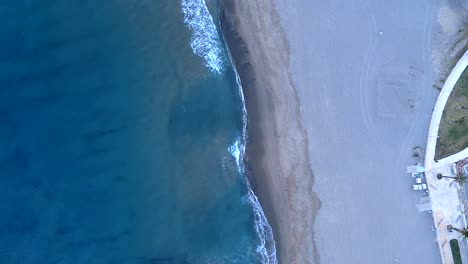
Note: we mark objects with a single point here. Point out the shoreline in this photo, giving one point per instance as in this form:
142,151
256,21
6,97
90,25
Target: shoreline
366,121
267,245
277,150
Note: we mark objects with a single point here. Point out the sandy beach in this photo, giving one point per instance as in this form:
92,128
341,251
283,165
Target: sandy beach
277,149
339,93
367,99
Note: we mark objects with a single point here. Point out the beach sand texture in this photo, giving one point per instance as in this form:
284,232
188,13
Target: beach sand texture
365,101
277,148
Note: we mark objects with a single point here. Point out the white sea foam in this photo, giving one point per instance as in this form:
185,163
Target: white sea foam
266,248
205,40
236,152
205,43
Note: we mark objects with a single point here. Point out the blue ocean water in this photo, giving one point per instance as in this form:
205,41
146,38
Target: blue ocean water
122,129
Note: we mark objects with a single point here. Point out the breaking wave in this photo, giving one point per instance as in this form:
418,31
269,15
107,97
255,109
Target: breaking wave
266,247
205,40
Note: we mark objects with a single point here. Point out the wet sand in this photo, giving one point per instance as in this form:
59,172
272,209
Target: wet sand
277,148
326,92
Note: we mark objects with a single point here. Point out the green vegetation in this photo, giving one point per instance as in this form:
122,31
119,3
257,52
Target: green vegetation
453,131
463,231
460,178
455,251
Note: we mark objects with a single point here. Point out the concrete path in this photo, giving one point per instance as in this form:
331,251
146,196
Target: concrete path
455,157
446,205
439,109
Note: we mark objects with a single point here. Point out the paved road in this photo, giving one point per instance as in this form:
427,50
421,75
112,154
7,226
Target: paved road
367,101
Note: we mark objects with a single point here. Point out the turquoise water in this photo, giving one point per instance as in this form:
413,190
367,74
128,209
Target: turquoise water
121,142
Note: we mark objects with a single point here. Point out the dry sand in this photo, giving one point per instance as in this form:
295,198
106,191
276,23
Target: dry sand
450,37
322,85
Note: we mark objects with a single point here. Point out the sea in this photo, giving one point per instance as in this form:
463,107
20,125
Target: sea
122,136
